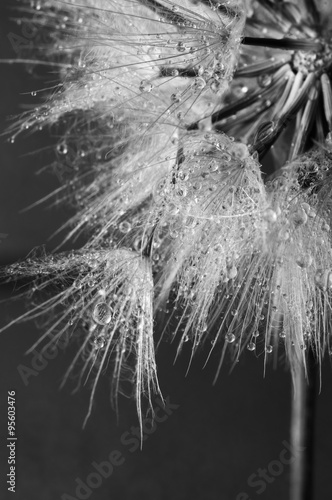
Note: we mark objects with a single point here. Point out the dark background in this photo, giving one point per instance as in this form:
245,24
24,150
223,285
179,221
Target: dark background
206,450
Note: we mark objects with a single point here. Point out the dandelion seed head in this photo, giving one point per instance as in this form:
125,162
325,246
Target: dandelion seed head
162,117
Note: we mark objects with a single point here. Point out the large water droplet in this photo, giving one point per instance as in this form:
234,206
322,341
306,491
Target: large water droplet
102,313
230,338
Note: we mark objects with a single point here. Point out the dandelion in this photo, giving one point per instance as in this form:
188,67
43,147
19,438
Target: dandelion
163,116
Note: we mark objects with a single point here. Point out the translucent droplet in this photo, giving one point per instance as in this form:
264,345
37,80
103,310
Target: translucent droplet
99,342
102,313
232,272
124,227
181,47
268,349
62,148
304,261
230,338
199,84
145,86
225,157
181,191
140,243
323,279
77,284
213,166
299,217
270,215
183,176
176,97
264,80
251,346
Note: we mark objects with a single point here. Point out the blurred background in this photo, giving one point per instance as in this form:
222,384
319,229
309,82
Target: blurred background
216,437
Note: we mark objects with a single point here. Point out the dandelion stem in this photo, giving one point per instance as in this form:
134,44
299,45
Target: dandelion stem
302,430
283,43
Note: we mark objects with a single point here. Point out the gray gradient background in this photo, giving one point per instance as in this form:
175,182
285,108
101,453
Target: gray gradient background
206,450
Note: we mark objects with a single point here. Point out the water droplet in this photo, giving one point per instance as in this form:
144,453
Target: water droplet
323,279
268,349
270,215
232,272
183,176
251,346
99,342
304,261
102,313
264,80
124,227
181,47
62,148
176,97
77,284
199,84
230,338
299,217
145,86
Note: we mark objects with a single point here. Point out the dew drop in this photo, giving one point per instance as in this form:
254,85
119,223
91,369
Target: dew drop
102,313
230,338
264,80
145,86
299,217
251,346
124,227
268,349
99,342
270,215
62,148
176,97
